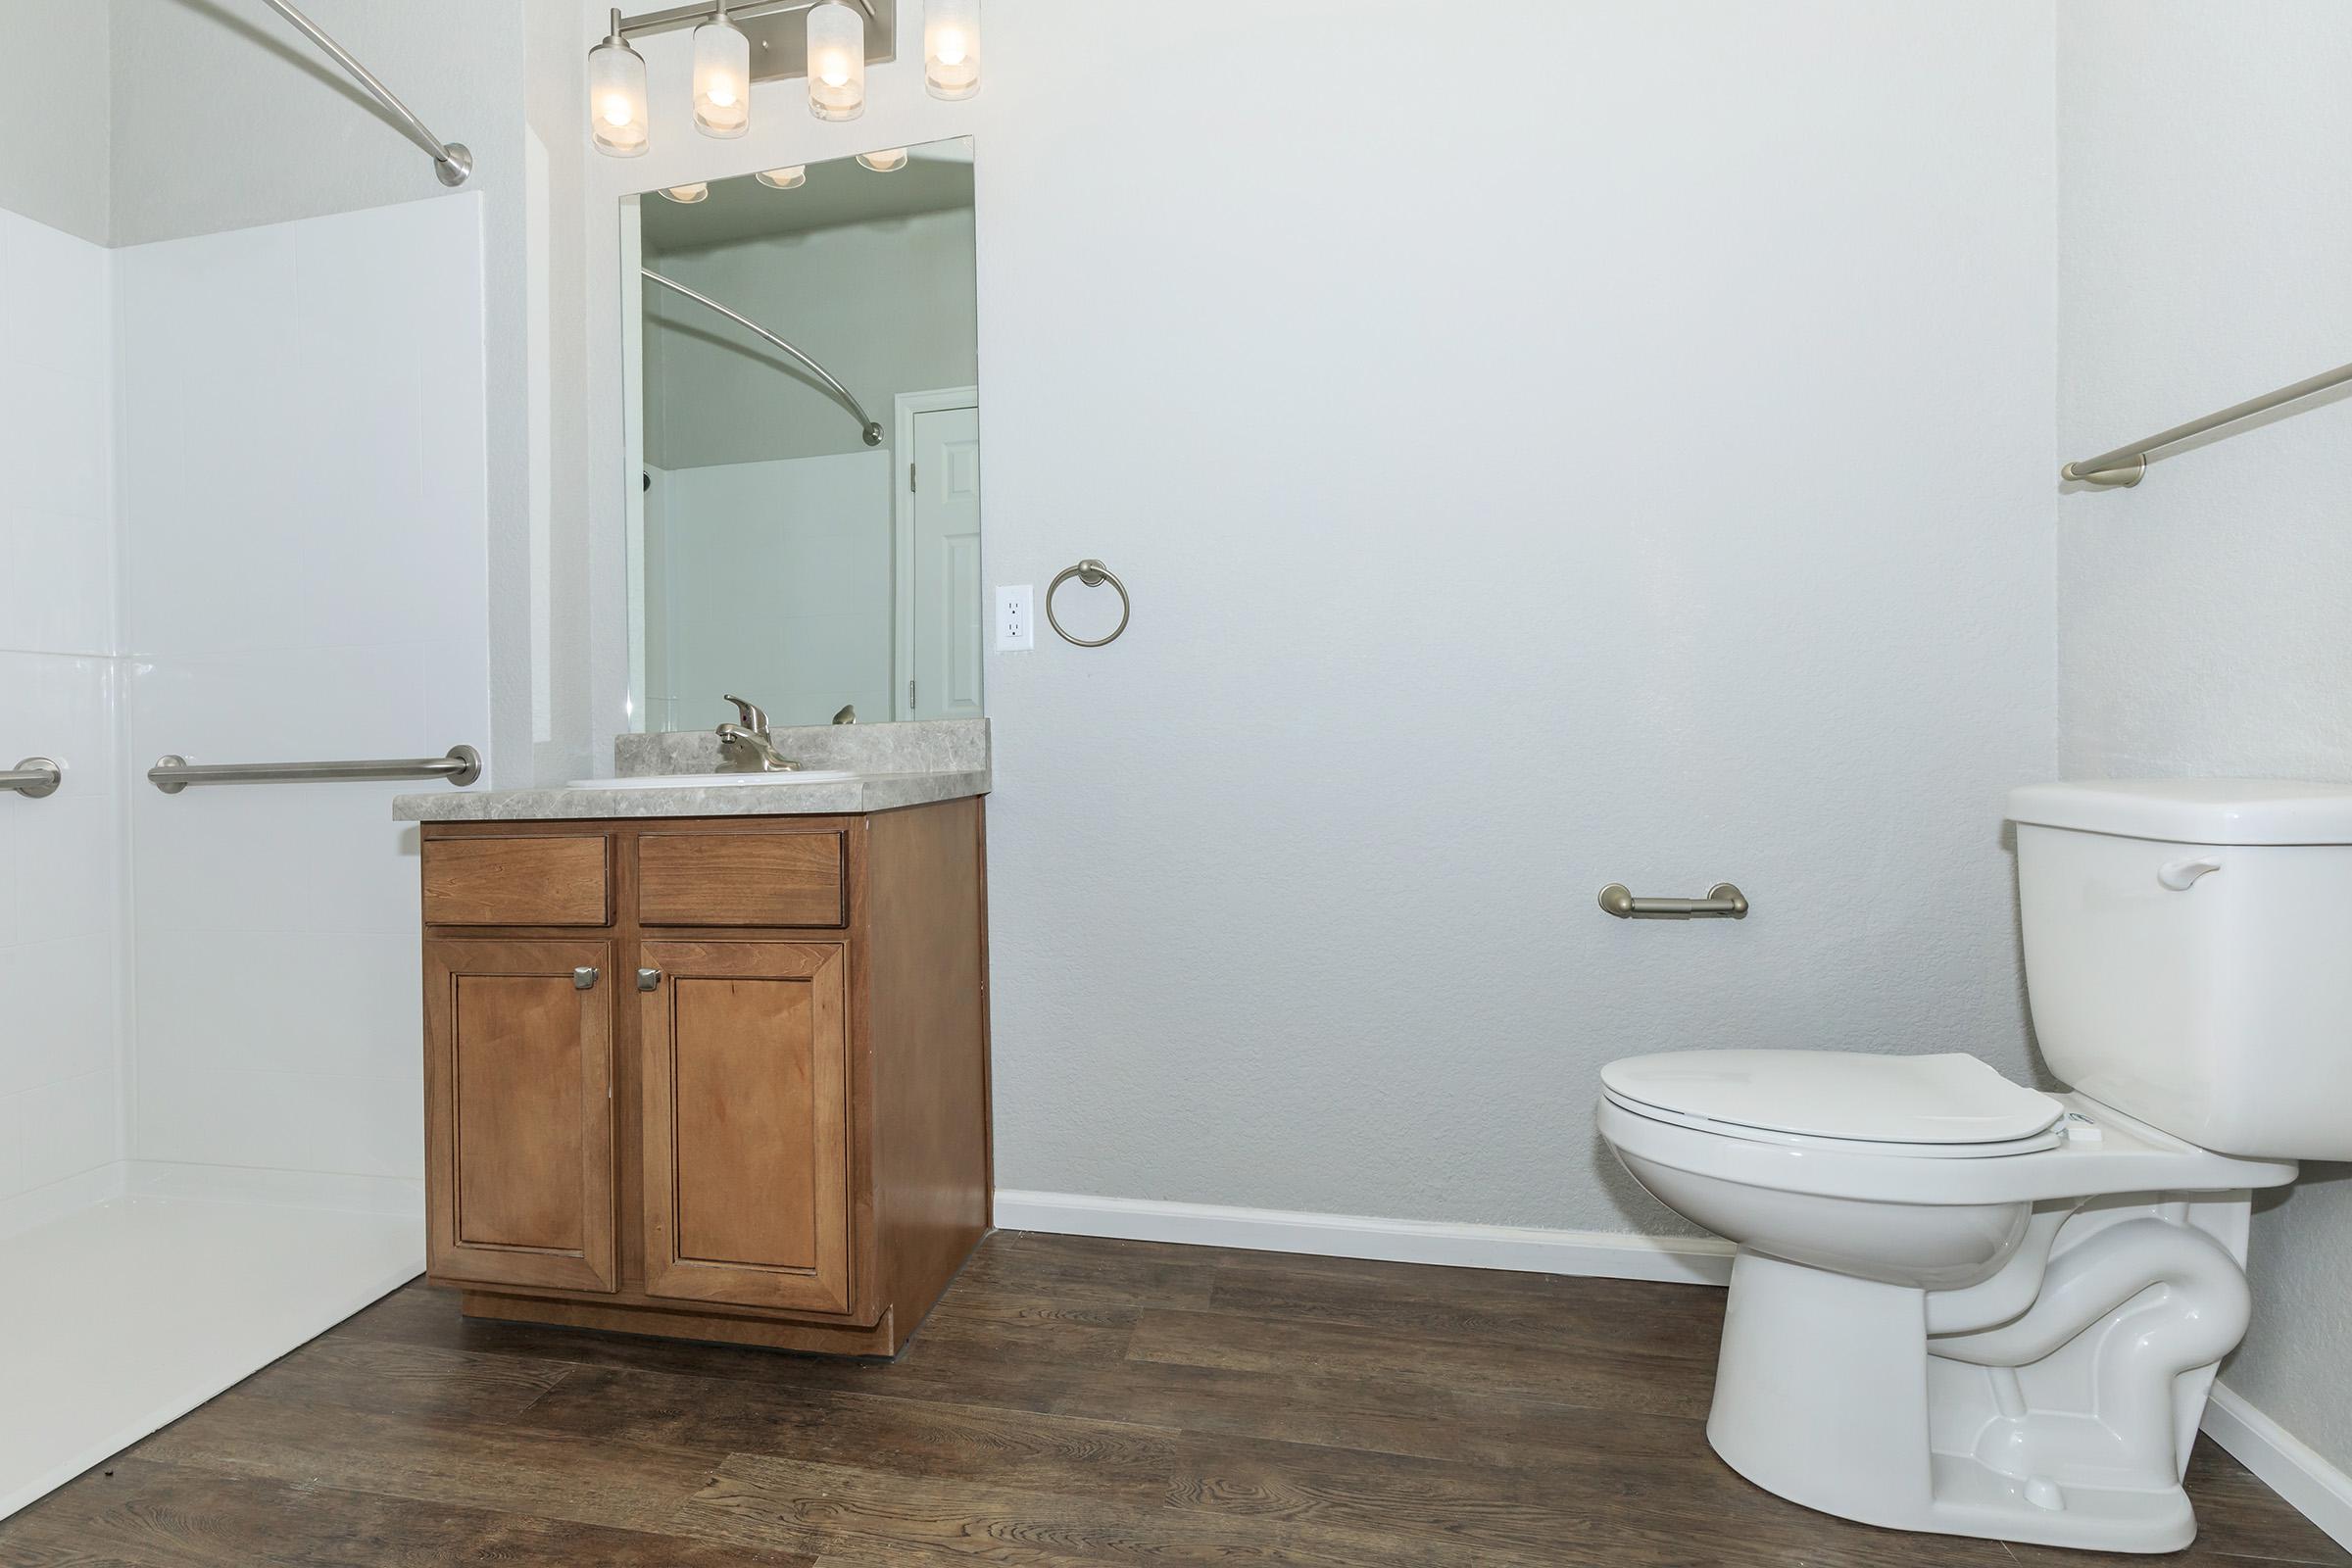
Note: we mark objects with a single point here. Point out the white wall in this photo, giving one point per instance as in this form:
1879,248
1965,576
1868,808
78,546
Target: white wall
223,118
61,871
2206,215
305,507
1632,466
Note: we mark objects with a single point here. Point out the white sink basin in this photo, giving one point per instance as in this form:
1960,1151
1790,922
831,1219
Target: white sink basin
703,781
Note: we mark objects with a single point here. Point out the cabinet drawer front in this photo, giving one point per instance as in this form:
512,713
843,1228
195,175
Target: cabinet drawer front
518,1112
736,879
746,1104
516,881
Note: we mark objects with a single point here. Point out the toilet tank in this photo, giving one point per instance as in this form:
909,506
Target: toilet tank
2189,954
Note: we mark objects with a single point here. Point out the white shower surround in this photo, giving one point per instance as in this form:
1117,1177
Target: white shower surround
275,549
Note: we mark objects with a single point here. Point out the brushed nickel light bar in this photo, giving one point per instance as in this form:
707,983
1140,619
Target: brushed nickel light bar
2128,464
865,423
451,160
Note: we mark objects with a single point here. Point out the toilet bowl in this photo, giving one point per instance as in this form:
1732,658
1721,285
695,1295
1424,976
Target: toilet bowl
1965,1305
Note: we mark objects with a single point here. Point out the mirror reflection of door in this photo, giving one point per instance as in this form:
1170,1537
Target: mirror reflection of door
799,350
939,591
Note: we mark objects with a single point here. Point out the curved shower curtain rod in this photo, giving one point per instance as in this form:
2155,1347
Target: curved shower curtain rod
866,426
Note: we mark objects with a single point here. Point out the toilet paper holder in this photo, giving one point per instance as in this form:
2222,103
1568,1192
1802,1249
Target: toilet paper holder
1723,902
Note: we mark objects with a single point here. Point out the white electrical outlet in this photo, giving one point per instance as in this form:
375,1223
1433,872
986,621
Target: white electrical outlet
1014,630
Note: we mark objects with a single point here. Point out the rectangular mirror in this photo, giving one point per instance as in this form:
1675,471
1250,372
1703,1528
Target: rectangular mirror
803,443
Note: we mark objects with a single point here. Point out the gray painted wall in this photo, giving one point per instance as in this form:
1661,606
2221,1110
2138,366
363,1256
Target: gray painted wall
886,307
2206,215
1492,539
54,115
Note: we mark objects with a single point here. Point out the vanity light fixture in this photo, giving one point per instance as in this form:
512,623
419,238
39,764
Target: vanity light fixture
888,161
792,178
722,78
688,195
739,42
951,48
616,118
836,61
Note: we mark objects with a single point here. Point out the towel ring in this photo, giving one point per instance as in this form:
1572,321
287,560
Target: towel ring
1093,574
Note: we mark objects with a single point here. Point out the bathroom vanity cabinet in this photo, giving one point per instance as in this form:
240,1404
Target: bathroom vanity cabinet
719,1078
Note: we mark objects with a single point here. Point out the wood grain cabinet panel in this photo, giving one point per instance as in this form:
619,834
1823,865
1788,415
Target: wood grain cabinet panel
765,1123
518,1094
739,879
744,1073
516,881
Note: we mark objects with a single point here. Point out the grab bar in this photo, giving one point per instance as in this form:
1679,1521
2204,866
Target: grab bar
172,774
32,778
1723,902
2126,465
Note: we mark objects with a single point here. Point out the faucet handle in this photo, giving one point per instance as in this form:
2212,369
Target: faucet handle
755,717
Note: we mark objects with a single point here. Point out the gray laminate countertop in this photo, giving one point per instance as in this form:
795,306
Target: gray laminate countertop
893,766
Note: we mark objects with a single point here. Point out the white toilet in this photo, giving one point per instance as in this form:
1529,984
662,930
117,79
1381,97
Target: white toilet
1961,1304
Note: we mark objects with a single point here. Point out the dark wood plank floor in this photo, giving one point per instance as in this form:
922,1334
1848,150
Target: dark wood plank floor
1071,1401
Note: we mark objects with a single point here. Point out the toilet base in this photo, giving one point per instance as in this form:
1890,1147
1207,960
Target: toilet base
1821,1396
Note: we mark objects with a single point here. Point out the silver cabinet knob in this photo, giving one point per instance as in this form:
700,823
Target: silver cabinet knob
584,978
649,979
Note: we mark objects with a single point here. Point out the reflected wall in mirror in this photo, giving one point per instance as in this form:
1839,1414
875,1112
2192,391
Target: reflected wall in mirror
803,443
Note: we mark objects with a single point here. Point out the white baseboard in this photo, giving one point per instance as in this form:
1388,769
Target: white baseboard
1683,1259
394,1195
2317,1489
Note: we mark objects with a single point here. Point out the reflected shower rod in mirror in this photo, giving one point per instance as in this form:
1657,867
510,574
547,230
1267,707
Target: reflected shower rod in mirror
865,423
452,162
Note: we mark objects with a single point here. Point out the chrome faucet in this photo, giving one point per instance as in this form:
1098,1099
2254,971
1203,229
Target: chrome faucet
747,745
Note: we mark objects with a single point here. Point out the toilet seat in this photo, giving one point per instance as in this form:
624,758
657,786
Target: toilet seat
1948,1107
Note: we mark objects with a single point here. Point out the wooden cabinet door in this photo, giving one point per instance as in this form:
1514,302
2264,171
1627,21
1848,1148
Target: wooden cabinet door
518,1112
747,1115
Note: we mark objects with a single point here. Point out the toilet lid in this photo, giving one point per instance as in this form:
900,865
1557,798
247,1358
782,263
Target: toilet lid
1853,1097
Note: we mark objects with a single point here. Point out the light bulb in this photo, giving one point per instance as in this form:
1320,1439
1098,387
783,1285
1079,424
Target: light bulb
836,61
792,178
688,195
951,48
617,88
889,161
722,67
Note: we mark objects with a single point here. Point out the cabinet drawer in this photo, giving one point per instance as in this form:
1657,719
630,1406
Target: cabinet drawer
739,879
516,881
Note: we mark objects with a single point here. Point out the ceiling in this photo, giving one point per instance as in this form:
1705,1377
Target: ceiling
937,177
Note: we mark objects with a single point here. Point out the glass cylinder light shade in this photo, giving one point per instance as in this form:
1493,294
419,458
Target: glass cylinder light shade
792,178
617,118
836,61
723,79
951,48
